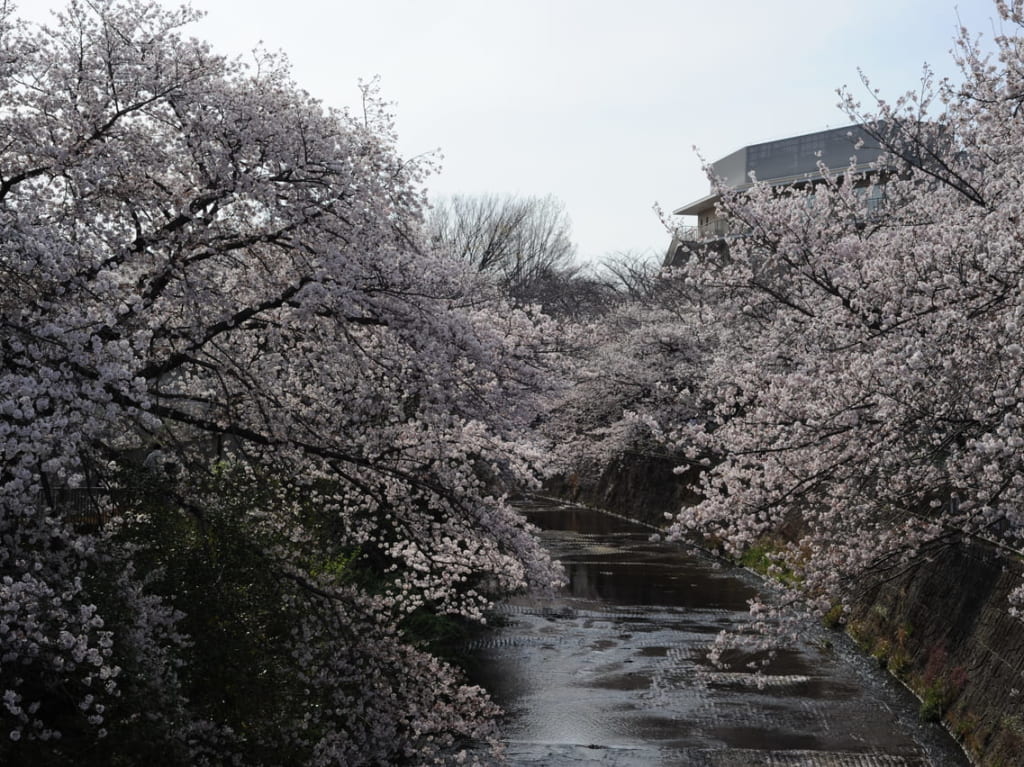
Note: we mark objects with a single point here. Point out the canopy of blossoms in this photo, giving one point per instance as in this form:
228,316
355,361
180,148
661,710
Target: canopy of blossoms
866,392
217,324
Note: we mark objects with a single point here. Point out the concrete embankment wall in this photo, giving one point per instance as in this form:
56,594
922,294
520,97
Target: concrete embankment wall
942,627
640,486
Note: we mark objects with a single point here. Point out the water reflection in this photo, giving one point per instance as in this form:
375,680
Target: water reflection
580,520
646,583
615,669
609,559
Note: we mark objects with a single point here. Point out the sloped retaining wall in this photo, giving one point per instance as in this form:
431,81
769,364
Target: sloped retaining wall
941,627
640,486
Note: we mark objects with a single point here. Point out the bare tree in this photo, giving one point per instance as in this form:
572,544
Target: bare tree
522,242
575,293
630,273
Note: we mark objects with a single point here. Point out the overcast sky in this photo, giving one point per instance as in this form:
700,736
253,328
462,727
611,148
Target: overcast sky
598,102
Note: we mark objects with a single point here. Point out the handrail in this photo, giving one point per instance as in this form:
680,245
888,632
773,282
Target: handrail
713,229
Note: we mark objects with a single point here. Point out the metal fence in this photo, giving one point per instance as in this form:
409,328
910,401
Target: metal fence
82,507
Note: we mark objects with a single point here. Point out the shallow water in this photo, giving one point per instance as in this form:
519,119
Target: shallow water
614,669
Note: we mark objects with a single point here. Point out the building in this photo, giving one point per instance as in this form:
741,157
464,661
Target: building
793,161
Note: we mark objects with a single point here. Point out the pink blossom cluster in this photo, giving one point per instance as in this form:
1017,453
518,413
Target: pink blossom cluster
632,369
865,394
215,288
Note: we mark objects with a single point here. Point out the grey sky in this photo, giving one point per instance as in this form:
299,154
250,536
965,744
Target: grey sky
599,102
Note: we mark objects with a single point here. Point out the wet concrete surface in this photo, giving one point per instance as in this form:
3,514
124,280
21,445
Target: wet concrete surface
614,670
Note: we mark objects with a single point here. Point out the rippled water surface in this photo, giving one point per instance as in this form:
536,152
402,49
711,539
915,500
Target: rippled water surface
614,670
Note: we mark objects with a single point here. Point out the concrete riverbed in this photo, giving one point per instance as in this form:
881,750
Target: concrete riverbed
614,670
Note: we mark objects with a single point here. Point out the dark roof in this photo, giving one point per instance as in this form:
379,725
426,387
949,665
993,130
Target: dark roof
791,159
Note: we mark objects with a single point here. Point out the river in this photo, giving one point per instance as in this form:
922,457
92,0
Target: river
614,671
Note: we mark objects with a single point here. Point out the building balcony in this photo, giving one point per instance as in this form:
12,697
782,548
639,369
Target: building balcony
687,239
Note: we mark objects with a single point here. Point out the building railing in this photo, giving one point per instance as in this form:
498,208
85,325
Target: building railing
718,227
713,229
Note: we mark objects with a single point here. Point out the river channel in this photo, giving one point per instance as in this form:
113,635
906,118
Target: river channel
614,669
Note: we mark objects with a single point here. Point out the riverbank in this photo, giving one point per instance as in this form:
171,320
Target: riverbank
941,627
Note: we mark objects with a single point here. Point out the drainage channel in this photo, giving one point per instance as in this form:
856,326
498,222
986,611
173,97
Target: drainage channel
614,670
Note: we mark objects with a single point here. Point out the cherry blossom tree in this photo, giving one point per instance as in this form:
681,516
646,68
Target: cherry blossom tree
866,392
290,421
633,368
